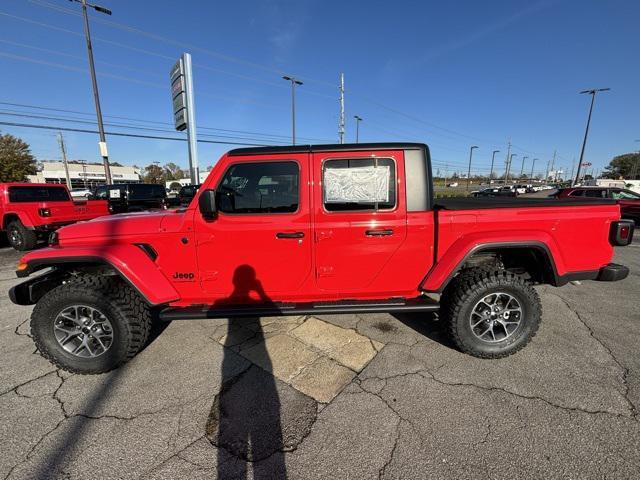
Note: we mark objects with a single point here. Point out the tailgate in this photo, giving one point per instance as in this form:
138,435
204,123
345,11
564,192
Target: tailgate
65,212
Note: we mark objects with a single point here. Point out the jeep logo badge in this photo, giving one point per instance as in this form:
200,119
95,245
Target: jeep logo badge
184,276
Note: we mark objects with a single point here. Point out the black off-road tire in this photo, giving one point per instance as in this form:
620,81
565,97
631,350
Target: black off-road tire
459,299
126,310
20,237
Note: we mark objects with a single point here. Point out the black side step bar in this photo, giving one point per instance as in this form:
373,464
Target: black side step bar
200,312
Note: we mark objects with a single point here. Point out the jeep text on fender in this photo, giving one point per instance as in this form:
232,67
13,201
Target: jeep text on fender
315,230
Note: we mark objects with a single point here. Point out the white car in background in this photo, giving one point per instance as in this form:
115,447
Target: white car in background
80,193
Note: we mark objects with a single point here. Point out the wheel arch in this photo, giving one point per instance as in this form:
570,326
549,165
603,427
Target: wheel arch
542,262
128,262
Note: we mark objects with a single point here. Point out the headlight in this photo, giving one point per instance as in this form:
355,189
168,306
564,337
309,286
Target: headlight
53,239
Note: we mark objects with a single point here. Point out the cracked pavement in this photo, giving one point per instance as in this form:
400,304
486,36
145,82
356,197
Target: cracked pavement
204,401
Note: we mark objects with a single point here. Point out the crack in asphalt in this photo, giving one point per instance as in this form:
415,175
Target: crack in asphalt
625,371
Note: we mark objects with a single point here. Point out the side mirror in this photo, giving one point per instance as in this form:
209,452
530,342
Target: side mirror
207,204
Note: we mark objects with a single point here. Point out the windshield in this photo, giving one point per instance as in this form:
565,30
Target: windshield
37,194
624,195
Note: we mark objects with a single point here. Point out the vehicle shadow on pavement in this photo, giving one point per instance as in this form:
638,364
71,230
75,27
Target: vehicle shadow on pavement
245,420
428,325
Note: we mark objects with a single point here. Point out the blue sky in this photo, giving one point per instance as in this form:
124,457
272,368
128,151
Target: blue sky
451,74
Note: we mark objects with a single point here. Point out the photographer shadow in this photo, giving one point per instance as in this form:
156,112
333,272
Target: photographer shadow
245,420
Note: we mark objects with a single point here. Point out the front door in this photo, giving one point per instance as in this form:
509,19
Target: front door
359,218
259,243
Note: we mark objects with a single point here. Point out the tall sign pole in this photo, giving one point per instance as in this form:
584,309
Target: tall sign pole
341,123
184,115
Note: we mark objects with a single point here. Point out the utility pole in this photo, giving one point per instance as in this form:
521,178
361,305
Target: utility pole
63,150
469,171
103,141
493,157
506,175
507,159
341,121
446,172
573,166
591,92
522,167
294,82
358,120
532,166
553,164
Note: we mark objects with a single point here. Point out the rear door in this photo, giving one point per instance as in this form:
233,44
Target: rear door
359,217
262,233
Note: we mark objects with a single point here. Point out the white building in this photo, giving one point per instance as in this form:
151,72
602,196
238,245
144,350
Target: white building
187,181
83,174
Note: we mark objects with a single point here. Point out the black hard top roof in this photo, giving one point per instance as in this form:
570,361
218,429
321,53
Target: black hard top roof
333,147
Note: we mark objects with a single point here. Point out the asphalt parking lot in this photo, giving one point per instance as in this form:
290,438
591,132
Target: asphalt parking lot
347,396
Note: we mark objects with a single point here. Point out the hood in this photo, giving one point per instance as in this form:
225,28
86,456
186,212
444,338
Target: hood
138,223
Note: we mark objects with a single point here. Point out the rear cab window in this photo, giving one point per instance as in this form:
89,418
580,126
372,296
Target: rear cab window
24,194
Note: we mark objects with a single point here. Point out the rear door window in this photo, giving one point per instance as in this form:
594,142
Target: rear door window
359,184
25,194
595,193
146,192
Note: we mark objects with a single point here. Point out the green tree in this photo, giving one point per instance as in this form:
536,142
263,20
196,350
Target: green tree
154,174
174,172
626,166
16,161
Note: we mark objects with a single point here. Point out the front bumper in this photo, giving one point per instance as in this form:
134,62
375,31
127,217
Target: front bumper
612,273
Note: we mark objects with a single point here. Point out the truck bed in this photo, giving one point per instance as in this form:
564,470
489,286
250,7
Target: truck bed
472,203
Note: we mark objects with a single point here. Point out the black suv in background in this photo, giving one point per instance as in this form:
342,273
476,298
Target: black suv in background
132,197
187,193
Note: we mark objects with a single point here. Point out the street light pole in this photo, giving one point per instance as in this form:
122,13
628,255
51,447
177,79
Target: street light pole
103,141
522,167
493,157
591,92
506,175
358,120
294,82
533,165
469,171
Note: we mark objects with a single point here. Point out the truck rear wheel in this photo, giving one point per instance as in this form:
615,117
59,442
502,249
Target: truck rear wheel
491,314
91,324
20,237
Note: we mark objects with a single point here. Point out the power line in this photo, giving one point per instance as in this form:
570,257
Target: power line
121,134
145,121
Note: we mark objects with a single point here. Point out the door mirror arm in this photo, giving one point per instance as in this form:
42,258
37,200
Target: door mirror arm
207,204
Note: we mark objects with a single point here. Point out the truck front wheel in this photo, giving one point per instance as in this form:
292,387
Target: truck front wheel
491,314
90,324
20,237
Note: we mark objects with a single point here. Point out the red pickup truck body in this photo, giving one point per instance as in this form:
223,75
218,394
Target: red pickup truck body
42,208
285,230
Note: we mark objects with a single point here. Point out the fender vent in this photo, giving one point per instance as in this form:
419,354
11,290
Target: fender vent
148,249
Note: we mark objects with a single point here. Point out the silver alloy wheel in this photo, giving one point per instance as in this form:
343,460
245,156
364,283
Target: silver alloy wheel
15,237
83,331
496,317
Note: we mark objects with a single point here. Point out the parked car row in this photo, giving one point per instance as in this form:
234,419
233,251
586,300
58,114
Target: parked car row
29,212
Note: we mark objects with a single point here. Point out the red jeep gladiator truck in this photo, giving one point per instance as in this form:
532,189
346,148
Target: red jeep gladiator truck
31,211
315,230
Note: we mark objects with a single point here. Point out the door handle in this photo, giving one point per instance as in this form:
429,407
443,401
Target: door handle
290,235
378,233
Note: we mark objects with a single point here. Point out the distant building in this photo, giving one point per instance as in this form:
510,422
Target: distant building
187,181
83,174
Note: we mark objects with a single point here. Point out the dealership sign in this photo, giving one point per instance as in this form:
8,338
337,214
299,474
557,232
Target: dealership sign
178,95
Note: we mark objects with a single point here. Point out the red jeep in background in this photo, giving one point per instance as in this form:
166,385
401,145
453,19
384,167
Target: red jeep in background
30,211
628,200
312,230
